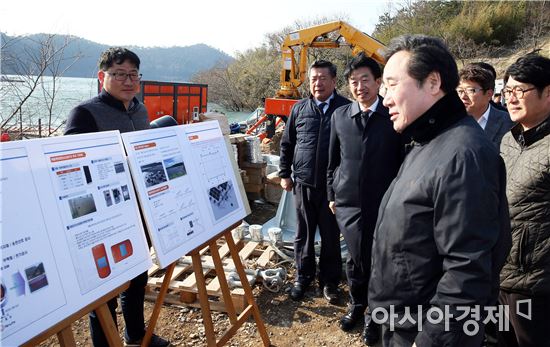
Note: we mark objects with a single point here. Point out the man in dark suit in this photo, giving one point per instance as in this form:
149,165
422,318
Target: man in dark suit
476,90
496,103
364,156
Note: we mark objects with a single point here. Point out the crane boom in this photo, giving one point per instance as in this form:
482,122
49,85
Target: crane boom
293,74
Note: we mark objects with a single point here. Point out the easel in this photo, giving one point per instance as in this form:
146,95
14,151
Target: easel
236,321
65,333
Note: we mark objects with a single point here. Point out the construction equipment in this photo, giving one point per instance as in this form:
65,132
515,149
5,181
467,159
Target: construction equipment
294,72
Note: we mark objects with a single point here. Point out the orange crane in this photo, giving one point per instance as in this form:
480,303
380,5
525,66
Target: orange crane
294,73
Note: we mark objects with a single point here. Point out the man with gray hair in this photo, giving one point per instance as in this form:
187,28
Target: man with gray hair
443,229
303,170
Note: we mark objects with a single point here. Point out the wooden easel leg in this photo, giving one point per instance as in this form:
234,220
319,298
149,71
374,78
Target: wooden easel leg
63,328
108,325
246,287
226,292
66,337
158,305
203,298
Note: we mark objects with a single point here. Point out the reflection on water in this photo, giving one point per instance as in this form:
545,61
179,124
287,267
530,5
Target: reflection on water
70,92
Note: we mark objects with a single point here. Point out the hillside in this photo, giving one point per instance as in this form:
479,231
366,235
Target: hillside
177,64
501,63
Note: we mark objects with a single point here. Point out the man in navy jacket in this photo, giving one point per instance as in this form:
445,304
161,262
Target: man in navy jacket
304,154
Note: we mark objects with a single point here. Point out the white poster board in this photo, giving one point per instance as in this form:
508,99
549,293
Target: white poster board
70,229
186,184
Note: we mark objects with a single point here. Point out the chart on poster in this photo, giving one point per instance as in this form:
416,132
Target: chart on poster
70,228
186,184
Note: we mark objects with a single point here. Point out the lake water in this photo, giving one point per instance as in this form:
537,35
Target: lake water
71,91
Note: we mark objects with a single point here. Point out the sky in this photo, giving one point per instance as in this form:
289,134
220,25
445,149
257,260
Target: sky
229,25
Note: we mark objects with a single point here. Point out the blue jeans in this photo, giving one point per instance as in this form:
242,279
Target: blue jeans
132,301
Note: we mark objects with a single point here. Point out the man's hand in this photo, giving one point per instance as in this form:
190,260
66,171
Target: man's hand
287,184
332,206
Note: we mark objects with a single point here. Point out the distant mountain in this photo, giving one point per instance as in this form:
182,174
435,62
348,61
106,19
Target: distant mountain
174,64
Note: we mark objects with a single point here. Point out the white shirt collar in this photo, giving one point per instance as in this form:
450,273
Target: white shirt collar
482,121
374,106
327,101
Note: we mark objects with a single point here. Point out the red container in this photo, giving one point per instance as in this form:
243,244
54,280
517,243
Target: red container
183,101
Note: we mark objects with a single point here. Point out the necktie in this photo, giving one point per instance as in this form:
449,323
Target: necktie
322,107
365,118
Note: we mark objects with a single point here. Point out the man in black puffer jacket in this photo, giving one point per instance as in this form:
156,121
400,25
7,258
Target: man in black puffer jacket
304,154
443,229
525,276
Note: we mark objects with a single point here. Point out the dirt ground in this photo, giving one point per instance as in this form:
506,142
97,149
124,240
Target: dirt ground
311,322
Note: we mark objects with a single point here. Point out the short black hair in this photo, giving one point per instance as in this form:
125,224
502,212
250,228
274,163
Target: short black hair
531,68
361,60
117,55
428,54
324,64
476,73
487,67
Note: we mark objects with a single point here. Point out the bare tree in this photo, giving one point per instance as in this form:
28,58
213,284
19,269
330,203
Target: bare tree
537,27
42,62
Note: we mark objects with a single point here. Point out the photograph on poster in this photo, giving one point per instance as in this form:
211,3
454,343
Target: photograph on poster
101,261
175,167
82,205
125,192
36,277
119,167
222,199
107,196
122,250
117,196
153,174
87,174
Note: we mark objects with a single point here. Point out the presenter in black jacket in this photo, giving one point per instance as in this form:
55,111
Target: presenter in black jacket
117,108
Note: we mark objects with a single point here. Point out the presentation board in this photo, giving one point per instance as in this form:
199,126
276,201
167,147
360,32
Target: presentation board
187,186
71,229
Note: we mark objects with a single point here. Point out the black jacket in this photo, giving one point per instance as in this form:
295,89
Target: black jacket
362,161
304,145
443,228
527,158
104,112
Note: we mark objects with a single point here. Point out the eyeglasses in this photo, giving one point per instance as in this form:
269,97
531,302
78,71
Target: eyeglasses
517,91
468,91
122,76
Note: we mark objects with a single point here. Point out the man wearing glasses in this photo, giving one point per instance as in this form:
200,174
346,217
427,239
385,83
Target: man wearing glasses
476,89
525,277
117,108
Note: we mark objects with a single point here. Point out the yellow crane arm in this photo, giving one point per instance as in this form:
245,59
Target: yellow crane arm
293,75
